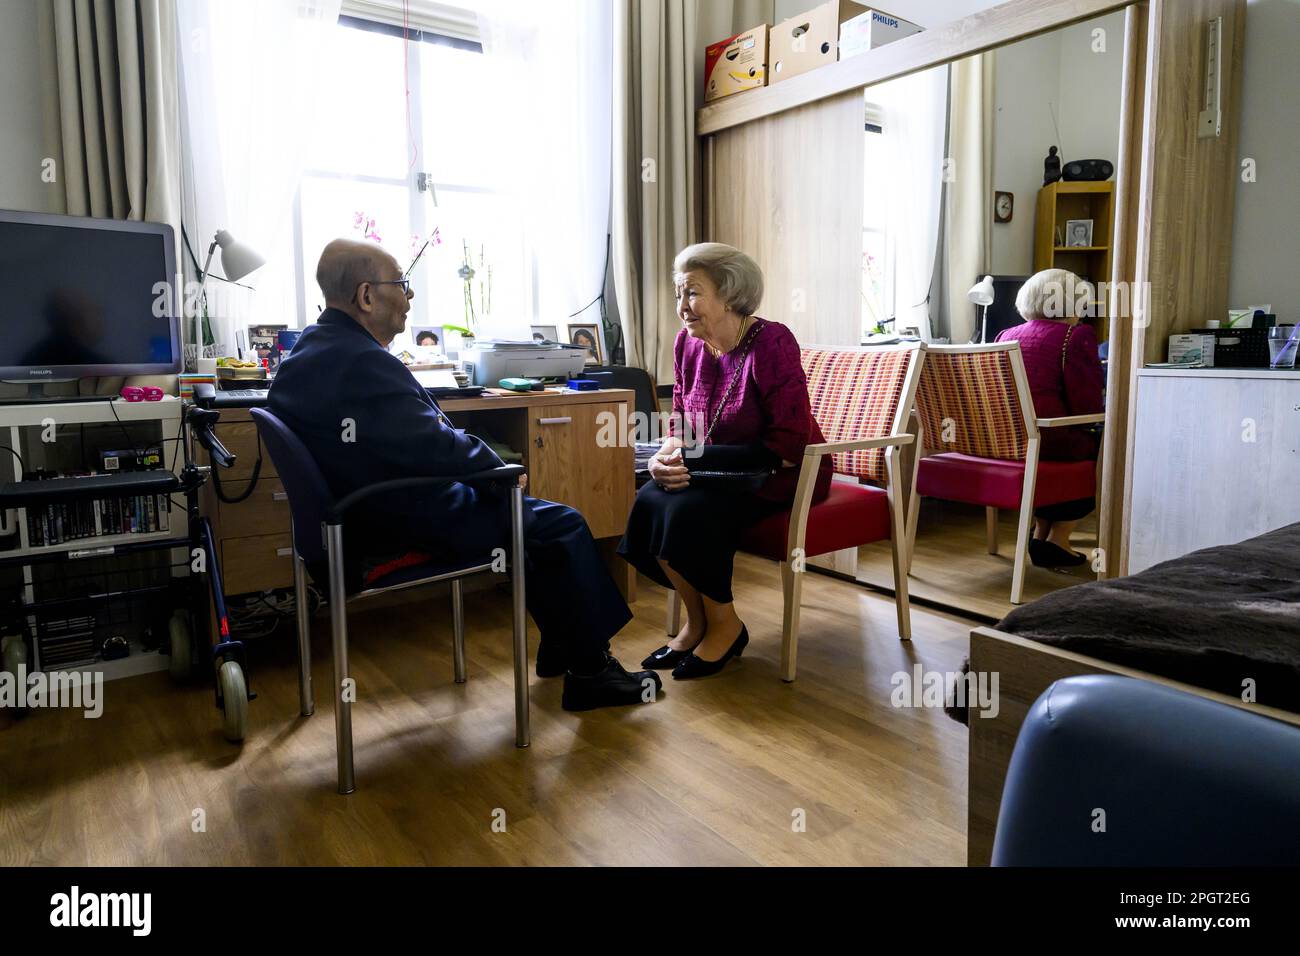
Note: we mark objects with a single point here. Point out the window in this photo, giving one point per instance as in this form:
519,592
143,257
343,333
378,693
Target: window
877,258
406,154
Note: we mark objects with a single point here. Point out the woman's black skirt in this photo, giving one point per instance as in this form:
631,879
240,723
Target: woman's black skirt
696,531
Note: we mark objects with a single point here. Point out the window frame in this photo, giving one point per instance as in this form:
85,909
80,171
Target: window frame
416,182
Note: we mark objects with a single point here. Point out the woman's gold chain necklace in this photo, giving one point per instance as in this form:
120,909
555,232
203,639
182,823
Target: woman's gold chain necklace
717,353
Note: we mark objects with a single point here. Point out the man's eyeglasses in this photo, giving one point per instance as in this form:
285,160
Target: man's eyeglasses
403,282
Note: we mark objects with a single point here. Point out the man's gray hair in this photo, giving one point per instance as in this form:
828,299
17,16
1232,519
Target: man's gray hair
737,276
1055,294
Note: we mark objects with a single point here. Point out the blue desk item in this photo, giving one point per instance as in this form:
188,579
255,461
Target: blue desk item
583,385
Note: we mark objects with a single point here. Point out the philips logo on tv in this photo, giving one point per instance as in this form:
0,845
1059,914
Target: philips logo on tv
887,21
40,371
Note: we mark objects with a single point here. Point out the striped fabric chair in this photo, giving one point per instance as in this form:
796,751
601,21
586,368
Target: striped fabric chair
977,414
862,399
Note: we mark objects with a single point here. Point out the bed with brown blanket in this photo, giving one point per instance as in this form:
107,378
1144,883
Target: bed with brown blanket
1223,622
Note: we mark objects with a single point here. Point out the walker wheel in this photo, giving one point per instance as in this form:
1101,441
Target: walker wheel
234,701
181,665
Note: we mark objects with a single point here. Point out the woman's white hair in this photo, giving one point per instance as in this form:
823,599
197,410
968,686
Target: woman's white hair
737,276
1055,294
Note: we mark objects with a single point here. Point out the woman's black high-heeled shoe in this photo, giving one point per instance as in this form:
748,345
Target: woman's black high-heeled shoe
693,666
665,659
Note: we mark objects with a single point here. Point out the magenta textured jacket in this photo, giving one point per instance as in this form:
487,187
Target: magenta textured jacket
1061,385
769,403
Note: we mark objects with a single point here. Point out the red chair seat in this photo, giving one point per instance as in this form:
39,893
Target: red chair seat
849,516
993,482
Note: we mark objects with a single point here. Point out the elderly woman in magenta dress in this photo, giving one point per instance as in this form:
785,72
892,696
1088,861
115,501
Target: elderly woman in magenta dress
740,378
1065,378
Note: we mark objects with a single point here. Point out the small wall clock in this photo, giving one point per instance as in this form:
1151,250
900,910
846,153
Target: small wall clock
1003,206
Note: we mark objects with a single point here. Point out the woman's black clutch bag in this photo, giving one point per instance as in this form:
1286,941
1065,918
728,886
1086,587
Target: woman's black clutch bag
738,467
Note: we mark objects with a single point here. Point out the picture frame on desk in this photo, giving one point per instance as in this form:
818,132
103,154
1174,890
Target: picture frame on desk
588,336
426,336
264,343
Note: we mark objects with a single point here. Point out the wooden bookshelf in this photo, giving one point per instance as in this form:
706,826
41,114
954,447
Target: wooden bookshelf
1058,203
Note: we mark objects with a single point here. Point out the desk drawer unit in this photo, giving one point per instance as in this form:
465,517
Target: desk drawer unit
240,439
566,463
265,511
257,563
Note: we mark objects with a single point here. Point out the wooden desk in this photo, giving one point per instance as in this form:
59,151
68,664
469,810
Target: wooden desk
558,433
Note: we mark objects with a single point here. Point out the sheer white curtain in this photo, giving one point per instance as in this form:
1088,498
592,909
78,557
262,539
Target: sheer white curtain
558,103
913,110
249,69
969,192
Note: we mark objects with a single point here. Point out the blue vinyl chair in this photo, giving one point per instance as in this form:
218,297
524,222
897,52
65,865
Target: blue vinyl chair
318,548
1181,781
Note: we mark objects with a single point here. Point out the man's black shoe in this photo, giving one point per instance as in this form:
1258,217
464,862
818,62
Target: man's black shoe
612,687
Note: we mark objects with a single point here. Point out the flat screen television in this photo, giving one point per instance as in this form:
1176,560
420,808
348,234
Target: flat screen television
84,297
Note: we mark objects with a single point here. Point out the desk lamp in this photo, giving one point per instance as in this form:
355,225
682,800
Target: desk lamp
982,294
237,261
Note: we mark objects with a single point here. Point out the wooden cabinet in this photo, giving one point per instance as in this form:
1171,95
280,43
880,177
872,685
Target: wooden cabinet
569,464
1216,459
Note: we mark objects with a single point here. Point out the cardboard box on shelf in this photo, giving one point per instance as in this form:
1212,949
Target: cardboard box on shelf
809,40
736,64
871,29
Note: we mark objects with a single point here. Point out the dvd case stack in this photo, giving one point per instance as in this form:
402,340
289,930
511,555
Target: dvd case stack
94,517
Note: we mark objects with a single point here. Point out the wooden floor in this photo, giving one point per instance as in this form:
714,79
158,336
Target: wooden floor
713,773
952,566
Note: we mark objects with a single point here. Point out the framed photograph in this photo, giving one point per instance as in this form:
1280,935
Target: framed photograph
428,336
263,343
588,336
546,333
1078,232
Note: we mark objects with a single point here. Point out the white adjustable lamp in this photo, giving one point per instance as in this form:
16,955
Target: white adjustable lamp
237,261
982,294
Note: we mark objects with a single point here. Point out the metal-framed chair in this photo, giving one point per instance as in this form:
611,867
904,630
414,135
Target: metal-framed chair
862,400
318,550
977,413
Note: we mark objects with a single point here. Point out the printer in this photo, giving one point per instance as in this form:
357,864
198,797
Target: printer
490,361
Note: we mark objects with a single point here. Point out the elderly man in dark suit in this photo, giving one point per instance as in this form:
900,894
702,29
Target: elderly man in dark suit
365,418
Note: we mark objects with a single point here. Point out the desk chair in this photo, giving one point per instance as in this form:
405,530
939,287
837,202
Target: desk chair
318,549
628,376
1183,781
862,400
976,411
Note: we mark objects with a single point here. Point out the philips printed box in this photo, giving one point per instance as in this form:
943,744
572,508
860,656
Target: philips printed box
736,64
872,29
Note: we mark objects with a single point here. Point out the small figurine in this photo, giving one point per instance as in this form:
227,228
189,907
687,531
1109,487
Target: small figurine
1051,167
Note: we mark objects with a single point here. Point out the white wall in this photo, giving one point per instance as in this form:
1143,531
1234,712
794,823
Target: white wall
22,130
1266,228
1060,72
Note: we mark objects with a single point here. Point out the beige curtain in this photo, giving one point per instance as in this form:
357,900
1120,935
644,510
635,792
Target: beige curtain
110,90
113,65
969,195
658,65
